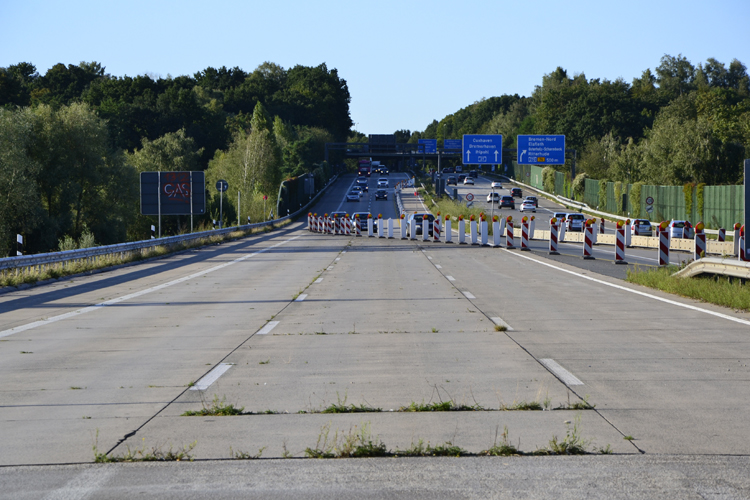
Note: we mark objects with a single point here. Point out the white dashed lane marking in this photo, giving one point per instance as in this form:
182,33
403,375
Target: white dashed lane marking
318,280
267,329
469,295
560,372
211,377
450,278
301,297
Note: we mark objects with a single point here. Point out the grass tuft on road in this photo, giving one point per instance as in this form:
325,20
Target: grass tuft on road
718,290
217,408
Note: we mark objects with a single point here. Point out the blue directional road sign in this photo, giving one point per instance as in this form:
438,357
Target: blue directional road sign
541,150
482,149
452,144
430,145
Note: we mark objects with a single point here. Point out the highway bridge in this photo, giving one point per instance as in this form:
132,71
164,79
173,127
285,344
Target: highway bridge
291,325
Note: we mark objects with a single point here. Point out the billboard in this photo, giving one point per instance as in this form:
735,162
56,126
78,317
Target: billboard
173,193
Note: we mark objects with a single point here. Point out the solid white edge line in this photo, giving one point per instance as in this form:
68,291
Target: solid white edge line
211,377
267,329
560,372
301,297
77,312
499,321
468,295
637,292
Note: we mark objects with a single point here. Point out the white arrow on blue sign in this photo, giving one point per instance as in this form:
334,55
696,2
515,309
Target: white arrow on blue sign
482,149
541,149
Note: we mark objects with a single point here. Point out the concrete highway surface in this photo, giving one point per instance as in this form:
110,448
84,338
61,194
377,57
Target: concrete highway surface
290,323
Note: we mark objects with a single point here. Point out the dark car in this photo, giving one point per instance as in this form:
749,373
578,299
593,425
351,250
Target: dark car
516,193
461,177
451,180
533,199
473,173
507,202
362,182
418,218
449,170
381,194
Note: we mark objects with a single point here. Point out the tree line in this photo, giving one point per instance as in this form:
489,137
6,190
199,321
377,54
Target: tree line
73,141
680,124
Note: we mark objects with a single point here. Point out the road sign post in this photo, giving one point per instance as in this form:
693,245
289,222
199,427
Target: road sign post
541,150
221,186
480,149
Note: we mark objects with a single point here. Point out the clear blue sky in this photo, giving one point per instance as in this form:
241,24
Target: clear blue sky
406,62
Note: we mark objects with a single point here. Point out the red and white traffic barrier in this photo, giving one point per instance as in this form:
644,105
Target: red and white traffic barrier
509,232
700,242
436,229
347,224
588,240
743,248
664,244
601,226
722,235
448,233
358,226
737,239
525,234
620,244
553,227
337,225
461,230
309,221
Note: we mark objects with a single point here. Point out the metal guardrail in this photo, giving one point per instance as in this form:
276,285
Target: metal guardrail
44,259
715,265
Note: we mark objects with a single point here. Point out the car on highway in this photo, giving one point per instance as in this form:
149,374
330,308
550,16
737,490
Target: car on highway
451,180
353,195
507,202
336,215
362,220
359,190
362,182
640,227
532,199
381,194
462,177
448,170
385,172
473,173
560,216
496,185
574,221
680,229
527,206
516,192
493,197
468,181
418,218
382,183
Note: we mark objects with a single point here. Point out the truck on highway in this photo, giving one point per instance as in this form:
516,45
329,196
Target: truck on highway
364,167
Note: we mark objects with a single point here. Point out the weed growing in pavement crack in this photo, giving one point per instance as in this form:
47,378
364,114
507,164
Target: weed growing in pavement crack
571,444
217,408
241,455
419,449
342,407
501,328
504,449
264,362
354,444
142,454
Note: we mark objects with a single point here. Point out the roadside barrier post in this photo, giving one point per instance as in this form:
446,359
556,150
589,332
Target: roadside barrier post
554,225
473,230
425,229
448,233
369,226
380,226
321,224
509,232
588,240
390,228
495,231
700,242
743,248
627,233
436,229
594,232
722,237
620,244
402,226
413,229
601,227
485,231
532,226
737,239
525,234
461,230
358,224
562,229
327,222
309,221
664,244
502,226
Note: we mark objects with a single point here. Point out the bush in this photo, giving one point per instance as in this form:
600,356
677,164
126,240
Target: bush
579,186
602,195
548,179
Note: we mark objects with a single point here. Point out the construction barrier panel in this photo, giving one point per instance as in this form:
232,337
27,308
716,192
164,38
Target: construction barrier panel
554,226
509,233
663,257
436,229
448,234
473,231
620,244
525,234
461,231
700,242
425,229
588,240
484,233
